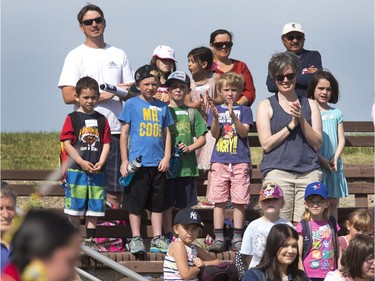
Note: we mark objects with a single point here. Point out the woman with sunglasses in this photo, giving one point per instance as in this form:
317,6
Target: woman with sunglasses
357,262
290,132
221,45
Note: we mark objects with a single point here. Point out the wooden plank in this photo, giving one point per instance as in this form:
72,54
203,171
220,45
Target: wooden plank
359,141
358,126
144,267
30,175
27,189
355,172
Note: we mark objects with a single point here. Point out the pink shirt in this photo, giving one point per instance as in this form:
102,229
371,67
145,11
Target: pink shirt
321,258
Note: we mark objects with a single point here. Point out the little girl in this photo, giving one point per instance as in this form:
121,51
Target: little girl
200,62
324,89
321,254
184,260
359,222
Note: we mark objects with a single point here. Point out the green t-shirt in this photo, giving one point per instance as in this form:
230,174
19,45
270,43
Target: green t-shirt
181,132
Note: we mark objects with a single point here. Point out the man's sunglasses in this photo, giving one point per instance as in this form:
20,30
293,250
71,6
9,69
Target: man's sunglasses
289,76
89,22
220,45
292,37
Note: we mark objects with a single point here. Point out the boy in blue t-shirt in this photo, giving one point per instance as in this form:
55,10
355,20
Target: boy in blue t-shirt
145,132
230,124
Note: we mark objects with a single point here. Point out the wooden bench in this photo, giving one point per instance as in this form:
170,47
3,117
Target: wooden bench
360,181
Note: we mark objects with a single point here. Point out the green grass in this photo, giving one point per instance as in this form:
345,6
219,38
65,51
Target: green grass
41,151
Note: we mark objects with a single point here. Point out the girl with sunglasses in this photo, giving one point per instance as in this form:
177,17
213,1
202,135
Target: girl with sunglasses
290,132
221,45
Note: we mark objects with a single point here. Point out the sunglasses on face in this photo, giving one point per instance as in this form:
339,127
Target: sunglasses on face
292,37
89,22
220,45
281,78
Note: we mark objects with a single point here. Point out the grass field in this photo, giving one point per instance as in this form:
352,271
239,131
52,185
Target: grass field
41,151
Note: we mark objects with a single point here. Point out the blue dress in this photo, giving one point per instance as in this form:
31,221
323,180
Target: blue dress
335,181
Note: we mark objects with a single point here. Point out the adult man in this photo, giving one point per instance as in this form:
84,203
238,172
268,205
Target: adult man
293,38
106,64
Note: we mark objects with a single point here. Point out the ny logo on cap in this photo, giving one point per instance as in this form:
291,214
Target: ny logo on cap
293,25
193,215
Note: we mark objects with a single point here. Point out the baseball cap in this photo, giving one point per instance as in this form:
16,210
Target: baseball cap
187,216
146,71
269,191
164,52
316,188
178,75
292,26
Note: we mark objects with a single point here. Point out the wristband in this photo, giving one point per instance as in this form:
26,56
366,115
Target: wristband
289,128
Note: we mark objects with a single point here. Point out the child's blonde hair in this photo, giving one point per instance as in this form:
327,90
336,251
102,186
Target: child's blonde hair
360,219
231,79
307,215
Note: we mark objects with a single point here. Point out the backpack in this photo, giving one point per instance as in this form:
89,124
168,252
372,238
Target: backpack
192,121
307,239
65,161
223,272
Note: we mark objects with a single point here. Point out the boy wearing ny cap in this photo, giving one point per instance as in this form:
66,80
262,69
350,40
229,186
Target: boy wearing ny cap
145,132
184,260
271,200
293,38
188,123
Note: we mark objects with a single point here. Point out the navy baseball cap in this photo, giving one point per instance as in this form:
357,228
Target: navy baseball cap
316,188
179,76
188,216
146,71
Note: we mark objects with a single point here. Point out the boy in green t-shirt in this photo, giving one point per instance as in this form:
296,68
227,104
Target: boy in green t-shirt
181,191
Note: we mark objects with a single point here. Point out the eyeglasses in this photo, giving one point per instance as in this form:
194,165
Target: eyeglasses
313,203
220,45
89,22
281,78
370,259
291,37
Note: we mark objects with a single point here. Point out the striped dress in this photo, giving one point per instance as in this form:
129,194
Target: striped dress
170,267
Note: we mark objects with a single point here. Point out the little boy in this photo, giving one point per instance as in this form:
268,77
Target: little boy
271,200
229,124
181,191
145,132
86,137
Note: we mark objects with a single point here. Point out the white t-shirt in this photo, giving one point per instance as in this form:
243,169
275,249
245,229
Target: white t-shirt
255,237
336,276
105,65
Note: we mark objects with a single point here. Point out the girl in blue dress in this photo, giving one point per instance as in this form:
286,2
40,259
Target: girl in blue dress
324,89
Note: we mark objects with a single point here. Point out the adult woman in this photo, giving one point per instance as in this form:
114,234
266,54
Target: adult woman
357,262
221,45
290,132
45,247
280,258
8,199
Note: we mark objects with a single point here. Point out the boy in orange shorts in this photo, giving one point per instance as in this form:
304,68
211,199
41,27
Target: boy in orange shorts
230,124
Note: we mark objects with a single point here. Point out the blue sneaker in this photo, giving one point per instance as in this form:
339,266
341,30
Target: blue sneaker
136,245
159,244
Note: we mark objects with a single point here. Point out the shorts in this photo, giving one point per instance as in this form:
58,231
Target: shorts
84,194
293,186
230,177
181,192
112,166
146,191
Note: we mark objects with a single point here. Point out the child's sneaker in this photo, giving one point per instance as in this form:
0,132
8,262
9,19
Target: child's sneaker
207,204
218,246
136,245
236,245
159,244
90,242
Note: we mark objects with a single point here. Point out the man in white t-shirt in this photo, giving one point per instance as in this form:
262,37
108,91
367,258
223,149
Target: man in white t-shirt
106,64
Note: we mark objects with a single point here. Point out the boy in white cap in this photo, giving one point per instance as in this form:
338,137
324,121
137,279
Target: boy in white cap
293,38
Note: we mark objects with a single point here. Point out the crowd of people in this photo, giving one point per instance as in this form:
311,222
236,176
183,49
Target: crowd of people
166,120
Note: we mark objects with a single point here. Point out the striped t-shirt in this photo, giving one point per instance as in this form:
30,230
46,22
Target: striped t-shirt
170,267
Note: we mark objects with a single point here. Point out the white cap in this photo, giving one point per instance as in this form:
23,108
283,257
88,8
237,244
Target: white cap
292,26
164,52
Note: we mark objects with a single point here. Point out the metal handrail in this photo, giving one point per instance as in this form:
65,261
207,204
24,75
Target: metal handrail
112,264
86,274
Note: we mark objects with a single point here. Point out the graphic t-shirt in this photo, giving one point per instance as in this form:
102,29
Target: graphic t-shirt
181,132
230,147
321,258
89,142
147,121
255,237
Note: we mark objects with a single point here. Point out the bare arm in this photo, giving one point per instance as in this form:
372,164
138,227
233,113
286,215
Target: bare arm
340,146
124,138
300,247
241,129
248,259
73,153
178,251
204,258
201,141
266,139
164,163
313,133
103,157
